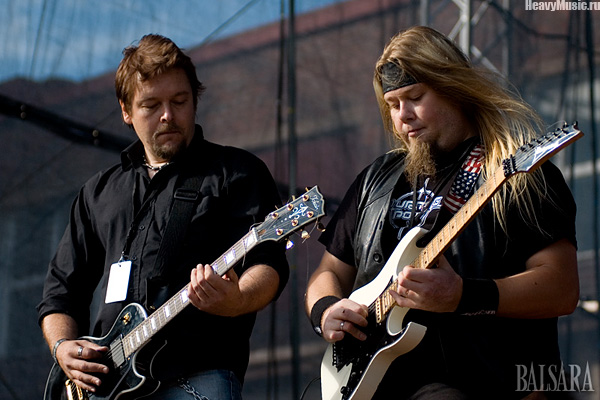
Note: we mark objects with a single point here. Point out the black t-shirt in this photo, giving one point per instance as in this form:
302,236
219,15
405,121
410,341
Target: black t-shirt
401,217
479,355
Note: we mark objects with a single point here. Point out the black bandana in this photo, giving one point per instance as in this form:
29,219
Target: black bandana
392,77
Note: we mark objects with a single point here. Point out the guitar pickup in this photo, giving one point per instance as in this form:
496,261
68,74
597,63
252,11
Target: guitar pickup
74,392
117,354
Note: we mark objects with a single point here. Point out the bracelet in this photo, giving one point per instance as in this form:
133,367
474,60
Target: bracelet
58,342
317,312
479,297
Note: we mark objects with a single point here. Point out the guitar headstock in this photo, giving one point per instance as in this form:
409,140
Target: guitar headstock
534,153
293,216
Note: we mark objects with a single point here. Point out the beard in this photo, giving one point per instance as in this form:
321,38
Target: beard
167,151
419,161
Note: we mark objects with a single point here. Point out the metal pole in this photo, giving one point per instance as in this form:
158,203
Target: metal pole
294,323
424,12
589,38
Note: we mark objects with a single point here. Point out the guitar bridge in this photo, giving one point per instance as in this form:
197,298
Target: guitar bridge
334,356
346,351
74,392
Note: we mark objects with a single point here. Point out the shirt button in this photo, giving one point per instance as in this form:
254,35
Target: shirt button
142,227
134,258
377,257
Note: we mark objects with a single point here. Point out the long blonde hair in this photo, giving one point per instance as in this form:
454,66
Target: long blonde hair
502,118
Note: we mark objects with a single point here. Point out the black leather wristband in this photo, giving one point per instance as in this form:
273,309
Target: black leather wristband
317,312
479,297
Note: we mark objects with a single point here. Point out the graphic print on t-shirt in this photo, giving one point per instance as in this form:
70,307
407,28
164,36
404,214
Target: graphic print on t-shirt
401,209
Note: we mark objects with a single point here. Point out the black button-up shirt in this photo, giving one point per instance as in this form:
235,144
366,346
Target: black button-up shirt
120,211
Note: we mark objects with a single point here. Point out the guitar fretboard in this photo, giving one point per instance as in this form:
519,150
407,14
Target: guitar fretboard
527,157
140,336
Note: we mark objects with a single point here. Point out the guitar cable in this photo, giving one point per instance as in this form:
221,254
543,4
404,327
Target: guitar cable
318,378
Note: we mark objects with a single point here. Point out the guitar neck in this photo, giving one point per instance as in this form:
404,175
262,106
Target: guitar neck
442,240
140,336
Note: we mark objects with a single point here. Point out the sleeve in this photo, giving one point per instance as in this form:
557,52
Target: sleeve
252,195
555,215
75,269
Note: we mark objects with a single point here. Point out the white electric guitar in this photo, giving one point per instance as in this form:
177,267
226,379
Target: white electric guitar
352,369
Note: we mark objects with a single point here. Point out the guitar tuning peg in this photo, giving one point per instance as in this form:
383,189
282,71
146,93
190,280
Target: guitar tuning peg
289,244
305,235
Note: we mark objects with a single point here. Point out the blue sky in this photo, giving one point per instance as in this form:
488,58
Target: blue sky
78,39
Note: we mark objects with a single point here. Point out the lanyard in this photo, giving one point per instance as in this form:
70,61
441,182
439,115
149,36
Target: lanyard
136,215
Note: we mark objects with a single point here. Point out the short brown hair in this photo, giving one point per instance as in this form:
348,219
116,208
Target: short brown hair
153,55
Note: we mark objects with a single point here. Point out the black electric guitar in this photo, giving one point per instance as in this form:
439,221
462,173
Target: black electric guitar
352,369
130,376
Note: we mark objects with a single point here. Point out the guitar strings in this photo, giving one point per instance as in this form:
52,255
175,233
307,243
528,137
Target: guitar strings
519,157
118,345
240,246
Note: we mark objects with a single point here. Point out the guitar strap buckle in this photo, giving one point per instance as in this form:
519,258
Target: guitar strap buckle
186,194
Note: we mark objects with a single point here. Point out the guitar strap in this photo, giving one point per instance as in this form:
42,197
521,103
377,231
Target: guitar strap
463,184
184,202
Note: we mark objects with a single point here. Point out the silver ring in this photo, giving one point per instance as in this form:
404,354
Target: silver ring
342,325
80,351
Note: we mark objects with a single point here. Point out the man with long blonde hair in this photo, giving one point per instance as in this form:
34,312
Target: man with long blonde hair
492,301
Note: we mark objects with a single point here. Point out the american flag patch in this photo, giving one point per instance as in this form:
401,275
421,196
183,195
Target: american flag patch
465,180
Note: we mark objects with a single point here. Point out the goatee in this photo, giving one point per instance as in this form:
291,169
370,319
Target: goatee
419,161
169,150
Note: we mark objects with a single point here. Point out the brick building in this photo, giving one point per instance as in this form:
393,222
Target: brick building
338,133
